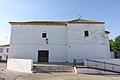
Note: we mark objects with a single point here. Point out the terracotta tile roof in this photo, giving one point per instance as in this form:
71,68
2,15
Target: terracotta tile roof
81,20
84,21
38,23
61,23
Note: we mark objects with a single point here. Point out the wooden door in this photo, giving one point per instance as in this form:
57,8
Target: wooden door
43,56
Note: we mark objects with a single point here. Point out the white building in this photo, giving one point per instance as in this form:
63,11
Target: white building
4,52
55,41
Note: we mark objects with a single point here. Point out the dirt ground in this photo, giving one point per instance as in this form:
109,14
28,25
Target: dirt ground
11,75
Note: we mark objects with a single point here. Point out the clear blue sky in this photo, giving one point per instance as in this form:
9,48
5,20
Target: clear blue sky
30,10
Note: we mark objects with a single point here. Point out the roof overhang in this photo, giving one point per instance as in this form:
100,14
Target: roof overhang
39,23
86,22
58,23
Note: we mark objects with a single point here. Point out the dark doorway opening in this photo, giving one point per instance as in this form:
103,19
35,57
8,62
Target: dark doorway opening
43,55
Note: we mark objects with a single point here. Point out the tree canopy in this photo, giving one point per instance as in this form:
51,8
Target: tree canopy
115,44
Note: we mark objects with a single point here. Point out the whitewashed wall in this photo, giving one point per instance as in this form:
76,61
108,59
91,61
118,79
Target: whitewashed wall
99,65
56,53
87,52
114,61
21,65
32,35
94,46
64,42
96,34
27,40
104,66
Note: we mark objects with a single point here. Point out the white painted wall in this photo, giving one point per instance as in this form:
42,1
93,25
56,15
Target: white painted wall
87,52
94,46
114,61
64,42
96,34
101,65
27,40
32,35
90,71
56,53
21,65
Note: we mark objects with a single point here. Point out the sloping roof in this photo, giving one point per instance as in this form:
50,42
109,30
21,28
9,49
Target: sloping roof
81,20
39,23
84,21
64,23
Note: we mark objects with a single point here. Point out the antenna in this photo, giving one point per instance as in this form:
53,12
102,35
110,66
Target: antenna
80,16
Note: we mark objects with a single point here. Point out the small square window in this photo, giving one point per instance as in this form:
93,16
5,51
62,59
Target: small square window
7,50
44,35
1,49
86,33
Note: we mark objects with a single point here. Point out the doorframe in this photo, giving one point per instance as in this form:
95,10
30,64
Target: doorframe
42,50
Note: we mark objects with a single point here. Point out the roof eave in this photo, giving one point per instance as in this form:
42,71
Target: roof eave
86,22
39,23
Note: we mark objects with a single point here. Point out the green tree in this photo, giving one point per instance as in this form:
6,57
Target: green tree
111,42
115,44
